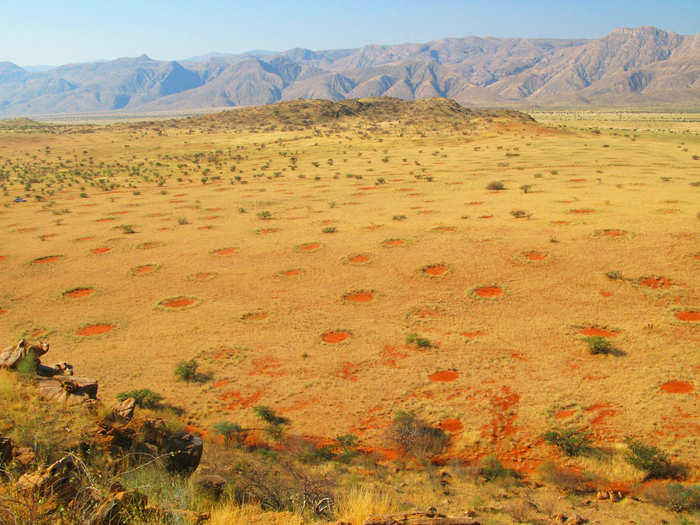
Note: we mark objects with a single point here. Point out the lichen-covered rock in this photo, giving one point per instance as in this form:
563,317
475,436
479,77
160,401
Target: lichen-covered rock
11,356
61,480
124,411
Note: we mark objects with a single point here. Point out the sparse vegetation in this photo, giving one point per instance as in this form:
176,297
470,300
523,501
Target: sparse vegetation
144,397
572,441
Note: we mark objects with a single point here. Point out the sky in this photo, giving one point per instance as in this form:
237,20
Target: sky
51,32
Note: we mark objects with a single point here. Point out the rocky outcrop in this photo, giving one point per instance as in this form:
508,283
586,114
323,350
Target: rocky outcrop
60,480
23,352
430,517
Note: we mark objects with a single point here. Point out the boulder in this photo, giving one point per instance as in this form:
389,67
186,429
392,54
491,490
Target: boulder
185,452
211,485
62,479
5,450
119,508
73,390
124,411
11,356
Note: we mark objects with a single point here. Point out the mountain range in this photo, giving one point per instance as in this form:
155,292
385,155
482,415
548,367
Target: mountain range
638,67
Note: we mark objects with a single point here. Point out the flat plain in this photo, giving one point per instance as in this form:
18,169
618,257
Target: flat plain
346,269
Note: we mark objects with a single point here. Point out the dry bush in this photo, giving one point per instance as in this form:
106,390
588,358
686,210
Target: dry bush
361,502
415,437
566,479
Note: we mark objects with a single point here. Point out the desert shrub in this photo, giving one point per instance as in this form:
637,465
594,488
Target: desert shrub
615,275
274,422
600,345
418,341
525,188
182,221
264,215
491,469
568,480
229,430
415,437
187,370
144,397
652,460
520,214
495,185
329,229
572,441
677,497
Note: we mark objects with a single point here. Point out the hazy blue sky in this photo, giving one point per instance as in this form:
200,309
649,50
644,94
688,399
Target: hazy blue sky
62,31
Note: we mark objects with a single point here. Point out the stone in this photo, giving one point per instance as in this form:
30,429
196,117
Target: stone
11,356
431,517
5,450
211,485
73,390
61,479
185,452
124,411
118,508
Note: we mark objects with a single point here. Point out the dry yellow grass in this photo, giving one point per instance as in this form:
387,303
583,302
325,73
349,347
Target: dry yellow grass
505,318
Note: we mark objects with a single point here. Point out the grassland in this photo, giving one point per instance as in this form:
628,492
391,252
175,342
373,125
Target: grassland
344,269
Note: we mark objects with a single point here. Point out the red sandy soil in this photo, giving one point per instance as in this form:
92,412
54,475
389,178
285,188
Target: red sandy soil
577,180
77,293
83,239
254,316
374,227
25,230
3,311
146,268
601,332
390,243
564,414
535,256
3,257
606,294
106,219
177,302
485,217
435,270
471,335
335,337
677,387
581,211
104,249
310,247
451,425
94,329
225,251
561,223
488,291
268,230
220,383
688,315
444,376
359,259
358,297
613,233
47,259
445,229
656,282
291,273
475,203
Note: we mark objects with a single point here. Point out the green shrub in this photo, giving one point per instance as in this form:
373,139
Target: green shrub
651,460
229,430
600,345
415,437
492,470
268,416
573,441
495,185
187,370
144,397
677,497
418,341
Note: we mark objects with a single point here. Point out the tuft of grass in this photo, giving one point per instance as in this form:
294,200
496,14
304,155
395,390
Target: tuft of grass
187,370
496,185
418,341
144,397
229,430
600,345
572,441
329,229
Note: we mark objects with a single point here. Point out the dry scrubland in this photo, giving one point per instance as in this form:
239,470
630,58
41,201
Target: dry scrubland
343,269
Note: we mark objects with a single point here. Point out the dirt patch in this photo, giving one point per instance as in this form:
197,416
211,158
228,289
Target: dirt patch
692,316
94,329
534,255
360,258
202,276
149,245
3,258
254,316
144,269
77,293
581,211
266,231
225,251
103,249
393,243
293,272
451,424
47,259
655,282
487,292
309,247
83,239
677,387
435,270
444,376
593,331
610,233
445,229
359,296
178,303
336,336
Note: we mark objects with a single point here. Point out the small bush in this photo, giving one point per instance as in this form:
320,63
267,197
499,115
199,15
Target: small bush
415,437
329,229
144,397
182,221
677,497
651,460
229,430
496,185
264,215
568,480
573,441
600,345
418,341
268,416
187,370
492,470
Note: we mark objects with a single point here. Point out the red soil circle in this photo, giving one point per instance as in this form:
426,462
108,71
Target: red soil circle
103,249
94,329
535,256
606,294
309,246
488,291
656,282
144,269
390,243
77,293
580,211
688,315
3,311
290,273
445,229
225,251
254,316
83,239
359,259
268,230
47,259
3,257
436,270
677,387
451,424
359,297
177,302
444,376
614,233
594,331
337,336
